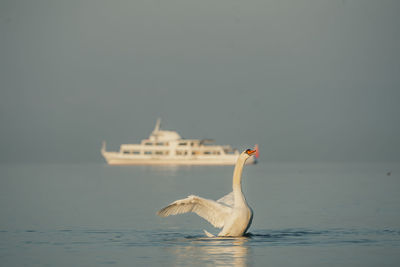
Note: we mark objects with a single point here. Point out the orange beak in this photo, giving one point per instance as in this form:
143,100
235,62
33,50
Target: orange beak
251,152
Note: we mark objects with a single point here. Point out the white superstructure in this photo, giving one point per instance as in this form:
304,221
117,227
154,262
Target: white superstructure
168,148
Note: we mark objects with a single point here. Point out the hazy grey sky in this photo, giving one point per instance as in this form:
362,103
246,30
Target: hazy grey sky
305,79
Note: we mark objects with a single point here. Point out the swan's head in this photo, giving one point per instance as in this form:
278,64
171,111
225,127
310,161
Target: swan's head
248,153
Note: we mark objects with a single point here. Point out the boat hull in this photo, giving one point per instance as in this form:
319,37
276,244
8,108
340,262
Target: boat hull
115,158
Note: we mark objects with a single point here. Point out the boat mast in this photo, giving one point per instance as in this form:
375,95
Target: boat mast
157,128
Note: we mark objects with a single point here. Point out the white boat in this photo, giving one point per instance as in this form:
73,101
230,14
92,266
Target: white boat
168,148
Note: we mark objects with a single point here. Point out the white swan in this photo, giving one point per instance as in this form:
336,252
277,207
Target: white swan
231,212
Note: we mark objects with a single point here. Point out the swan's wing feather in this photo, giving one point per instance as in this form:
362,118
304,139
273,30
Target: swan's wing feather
212,211
227,199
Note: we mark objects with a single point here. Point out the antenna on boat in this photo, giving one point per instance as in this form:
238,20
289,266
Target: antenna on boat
158,123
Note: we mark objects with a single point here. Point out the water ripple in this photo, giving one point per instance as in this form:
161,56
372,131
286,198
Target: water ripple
165,238
289,237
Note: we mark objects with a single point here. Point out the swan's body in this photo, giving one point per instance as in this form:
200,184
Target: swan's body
231,212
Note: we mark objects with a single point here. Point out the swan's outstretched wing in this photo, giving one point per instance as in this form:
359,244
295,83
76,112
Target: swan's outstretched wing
214,212
227,199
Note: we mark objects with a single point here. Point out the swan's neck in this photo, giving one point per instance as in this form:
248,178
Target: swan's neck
237,182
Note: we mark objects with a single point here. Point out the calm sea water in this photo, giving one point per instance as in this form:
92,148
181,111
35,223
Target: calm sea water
308,214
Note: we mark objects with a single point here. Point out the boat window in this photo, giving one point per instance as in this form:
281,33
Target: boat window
136,152
148,152
159,152
207,152
148,144
160,144
181,152
126,152
183,144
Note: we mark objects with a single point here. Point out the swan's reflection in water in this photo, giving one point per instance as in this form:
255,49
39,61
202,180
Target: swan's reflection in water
213,252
